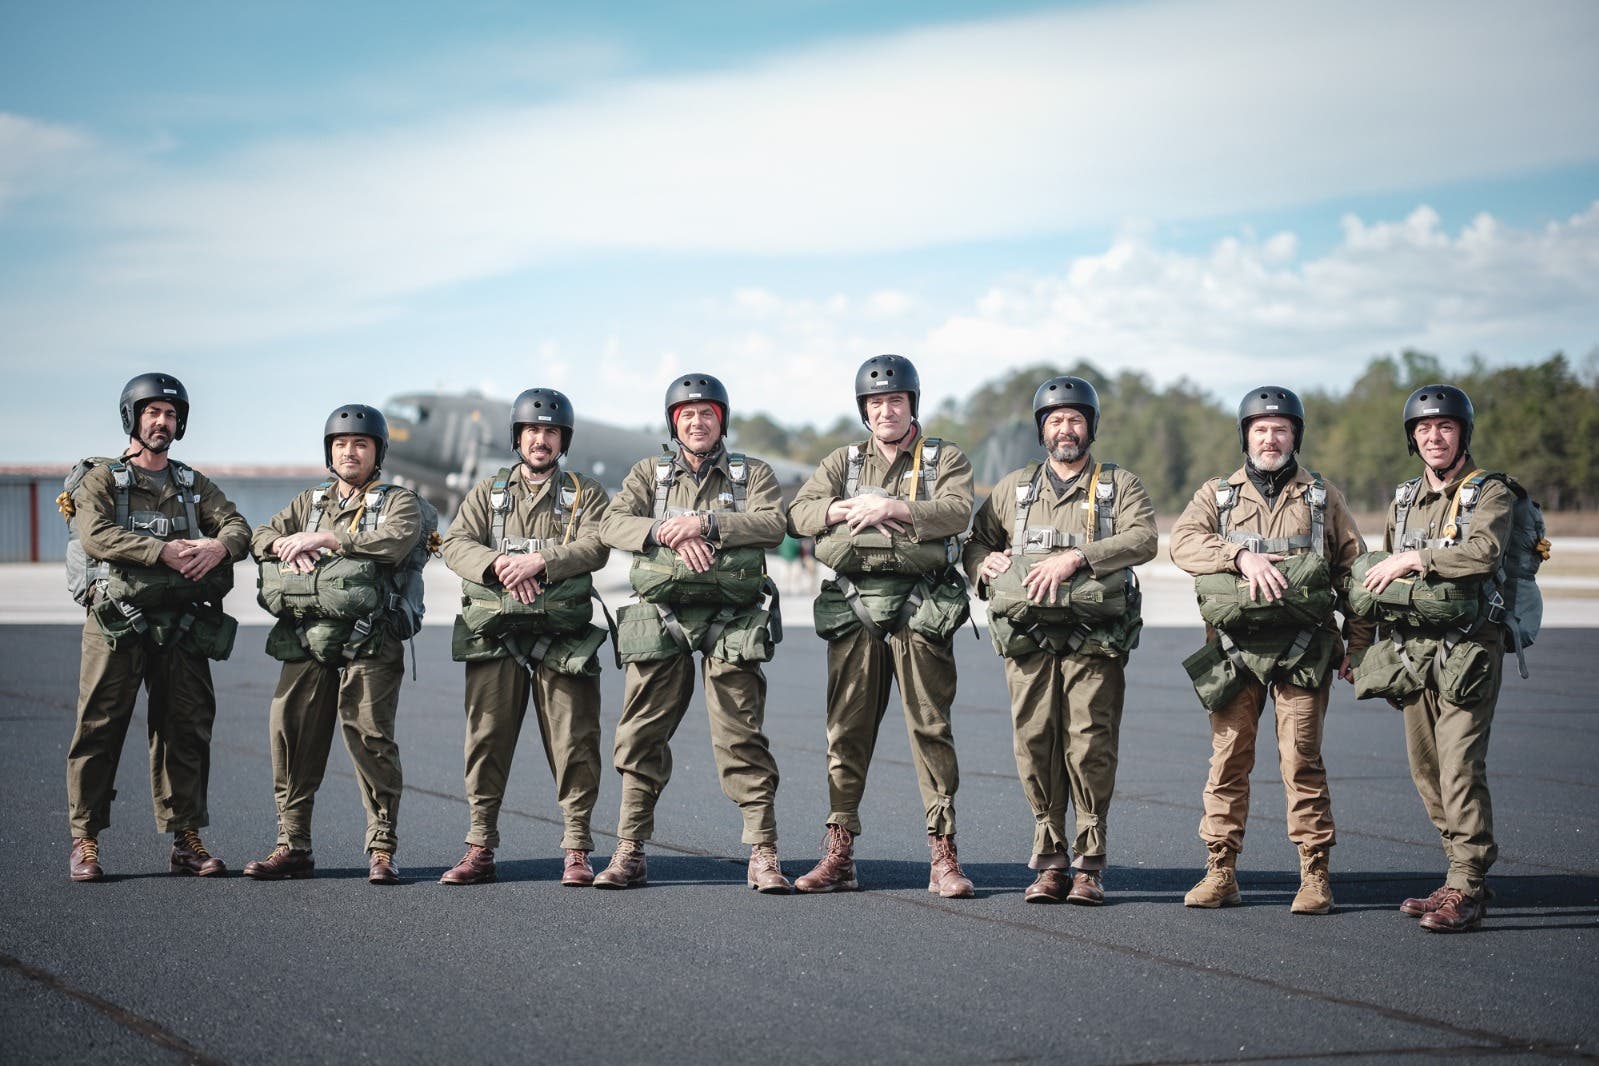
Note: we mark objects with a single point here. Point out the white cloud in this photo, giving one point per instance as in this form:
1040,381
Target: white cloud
32,154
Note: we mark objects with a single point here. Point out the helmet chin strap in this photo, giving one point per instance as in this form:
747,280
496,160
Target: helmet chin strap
903,437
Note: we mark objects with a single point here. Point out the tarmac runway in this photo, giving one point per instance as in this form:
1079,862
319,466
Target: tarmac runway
146,967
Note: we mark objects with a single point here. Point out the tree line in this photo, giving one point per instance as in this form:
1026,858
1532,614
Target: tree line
1539,423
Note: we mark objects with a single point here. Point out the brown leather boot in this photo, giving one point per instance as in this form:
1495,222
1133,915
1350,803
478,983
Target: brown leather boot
1458,913
381,869
475,868
190,857
628,867
1219,886
1050,886
946,876
577,872
836,871
764,873
284,863
1315,885
1088,888
1420,907
84,865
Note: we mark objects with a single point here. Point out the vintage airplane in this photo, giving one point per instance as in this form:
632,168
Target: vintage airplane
441,444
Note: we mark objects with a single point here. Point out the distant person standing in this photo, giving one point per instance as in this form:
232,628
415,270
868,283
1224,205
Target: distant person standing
152,557
526,541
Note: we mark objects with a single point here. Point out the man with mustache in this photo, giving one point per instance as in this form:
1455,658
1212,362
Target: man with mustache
1067,681
1266,511
338,671
147,516
1447,740
695,514
520,532
885,513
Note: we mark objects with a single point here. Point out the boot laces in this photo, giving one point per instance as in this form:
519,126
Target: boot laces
89,849
189,839
379,855
1450,897
944,860
576,857
764,857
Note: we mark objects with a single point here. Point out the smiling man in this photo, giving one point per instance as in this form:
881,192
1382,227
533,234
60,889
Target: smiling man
342,660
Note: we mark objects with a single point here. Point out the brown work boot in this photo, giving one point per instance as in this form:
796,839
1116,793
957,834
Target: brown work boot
1219,886
1088,888
764,873
284,863
1315,887
85,862
946,877
628,867
577,872
1457,913
1050,886
1420,907
381,869
836,871
190,857
475,868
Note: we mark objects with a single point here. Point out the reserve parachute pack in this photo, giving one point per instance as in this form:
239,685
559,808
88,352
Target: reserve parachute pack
134,602
873,551
1510,596
554,629
1078,609
683,611
334,610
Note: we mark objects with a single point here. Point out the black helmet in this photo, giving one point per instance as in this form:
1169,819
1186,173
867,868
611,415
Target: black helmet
355,419
887,373
695,388
541,407
1066,392
1439,401
146,387
1271,400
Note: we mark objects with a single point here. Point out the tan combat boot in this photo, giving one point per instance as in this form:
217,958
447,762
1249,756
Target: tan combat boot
836,871
945,876
765,873
628,867
1219,886
1315,889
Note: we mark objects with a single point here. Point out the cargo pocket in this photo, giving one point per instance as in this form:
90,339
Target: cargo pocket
114,626
641,636
212,634
576,654
468,647
1310,669
283,645
1465,674
745,639
1011,641
832,615
1216,677
1381,672
941,611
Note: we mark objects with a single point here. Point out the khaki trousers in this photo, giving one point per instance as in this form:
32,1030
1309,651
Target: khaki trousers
654,699
1300,716
567,710
1448,749
362,699
1066,711
860,669
182,706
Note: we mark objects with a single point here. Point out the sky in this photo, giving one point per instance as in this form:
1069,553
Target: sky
292,206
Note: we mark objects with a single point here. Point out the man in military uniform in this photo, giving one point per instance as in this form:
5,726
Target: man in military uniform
1447,740
693,519
1043,526
519,532
1267,511
886,514
140,519
338,670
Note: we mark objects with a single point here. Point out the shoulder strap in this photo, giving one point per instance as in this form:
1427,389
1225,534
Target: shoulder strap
852,471
568,504
319,497
499,505
1404,497
122,480
1026,493
1317,496
183,476
663,484
1464,506
738,469
1226,498
927,464
372,506
1102,502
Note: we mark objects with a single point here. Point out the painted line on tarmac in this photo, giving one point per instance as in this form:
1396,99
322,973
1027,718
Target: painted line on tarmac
1501,1043
137,1024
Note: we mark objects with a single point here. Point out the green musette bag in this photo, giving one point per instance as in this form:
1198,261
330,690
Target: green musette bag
560,607
1225,602
1415,600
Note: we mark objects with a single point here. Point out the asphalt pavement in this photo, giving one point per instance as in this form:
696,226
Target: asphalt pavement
146,967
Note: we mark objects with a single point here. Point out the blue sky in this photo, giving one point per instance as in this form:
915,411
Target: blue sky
292,206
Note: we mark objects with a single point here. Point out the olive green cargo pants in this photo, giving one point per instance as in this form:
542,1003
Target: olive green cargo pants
362,699
654,699
860,669
567,710
182,706
1066,711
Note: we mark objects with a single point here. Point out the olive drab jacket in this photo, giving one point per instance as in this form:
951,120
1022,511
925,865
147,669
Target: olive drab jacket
1135,540
947,514
94,518
388,543
467,549
1479,555
630,517
1198,547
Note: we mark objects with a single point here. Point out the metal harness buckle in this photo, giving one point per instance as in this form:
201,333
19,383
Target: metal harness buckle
155,526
